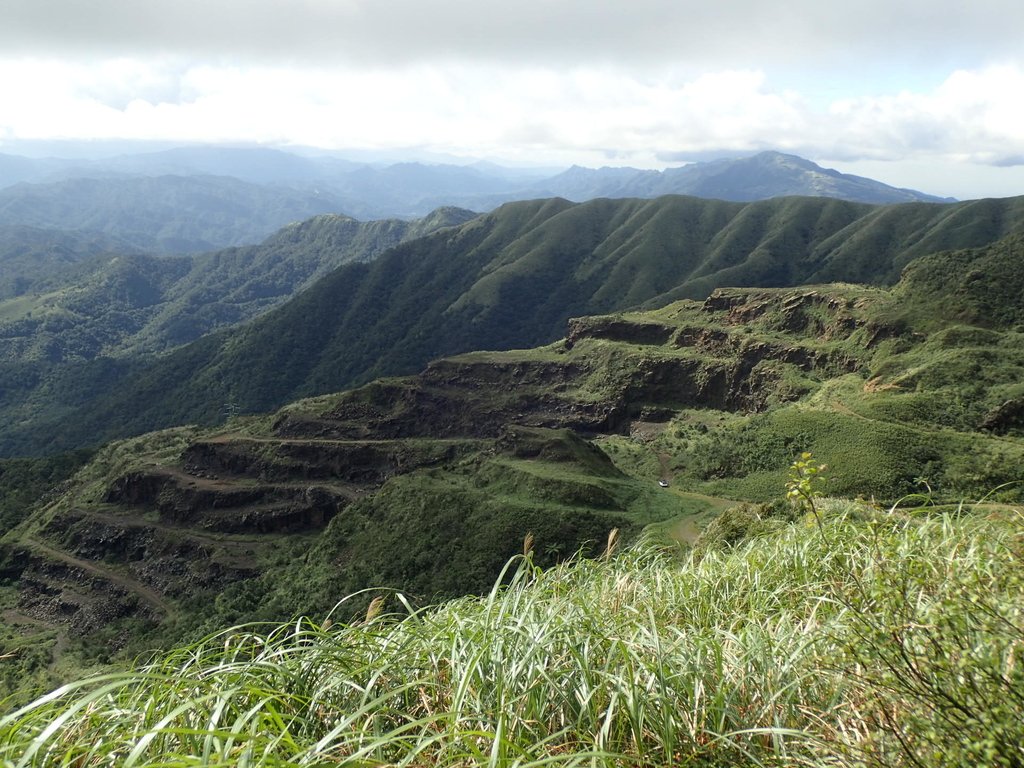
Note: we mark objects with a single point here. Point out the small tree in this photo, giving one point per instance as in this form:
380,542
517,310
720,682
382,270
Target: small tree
804,485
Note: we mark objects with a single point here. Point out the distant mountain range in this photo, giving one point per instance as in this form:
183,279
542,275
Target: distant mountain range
162,214
763,176
192,199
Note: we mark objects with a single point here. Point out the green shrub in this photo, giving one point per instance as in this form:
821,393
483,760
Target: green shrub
739,523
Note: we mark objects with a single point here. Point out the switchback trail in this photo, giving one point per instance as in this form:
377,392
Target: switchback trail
129,585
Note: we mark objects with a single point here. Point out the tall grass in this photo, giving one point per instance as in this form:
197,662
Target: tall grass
892,640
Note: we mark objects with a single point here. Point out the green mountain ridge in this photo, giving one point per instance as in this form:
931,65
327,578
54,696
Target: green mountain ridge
428,483
510,279
131,304
87,330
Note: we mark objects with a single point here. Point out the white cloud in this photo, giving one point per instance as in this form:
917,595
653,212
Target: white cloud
585,114
974,116
481,109
743,34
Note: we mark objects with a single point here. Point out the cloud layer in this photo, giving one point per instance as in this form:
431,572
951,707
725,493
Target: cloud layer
732,33
648,83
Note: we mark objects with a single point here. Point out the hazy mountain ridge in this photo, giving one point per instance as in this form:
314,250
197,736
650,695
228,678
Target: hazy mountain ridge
32,258
412,189
253,165
761,176
162,214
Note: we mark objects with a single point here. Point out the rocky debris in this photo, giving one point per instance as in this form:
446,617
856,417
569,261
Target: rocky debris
362,463
136,488
232,507
467,374
179,577
93,538
424,410
821,315
710,341
61,591
172,562
717,343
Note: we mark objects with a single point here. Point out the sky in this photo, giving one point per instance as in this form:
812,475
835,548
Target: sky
927,94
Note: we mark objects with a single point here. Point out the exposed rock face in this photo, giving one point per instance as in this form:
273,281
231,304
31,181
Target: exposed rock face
617,329
230,507
1007,417
819,314
57,588
311,457
453,399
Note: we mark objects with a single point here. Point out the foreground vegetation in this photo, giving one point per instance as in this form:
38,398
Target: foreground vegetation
874,645
851,636
426,484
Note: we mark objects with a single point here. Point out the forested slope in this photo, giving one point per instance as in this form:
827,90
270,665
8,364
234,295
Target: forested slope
512,278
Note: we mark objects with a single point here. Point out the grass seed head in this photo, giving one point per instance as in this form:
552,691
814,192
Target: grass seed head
374,608
613,543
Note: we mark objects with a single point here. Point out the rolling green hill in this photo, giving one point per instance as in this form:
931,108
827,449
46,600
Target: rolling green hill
511,279
649,421
86,327
127,304
33,259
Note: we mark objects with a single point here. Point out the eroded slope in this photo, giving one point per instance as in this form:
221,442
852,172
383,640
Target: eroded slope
428,483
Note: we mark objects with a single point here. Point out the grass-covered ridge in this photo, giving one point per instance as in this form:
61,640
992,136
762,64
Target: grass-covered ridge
508,279
883,637
426,484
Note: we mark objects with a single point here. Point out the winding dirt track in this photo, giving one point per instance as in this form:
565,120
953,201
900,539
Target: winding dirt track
129,585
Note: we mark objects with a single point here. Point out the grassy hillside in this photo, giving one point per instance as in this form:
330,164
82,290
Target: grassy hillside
651,421
511,279
82,329
879,638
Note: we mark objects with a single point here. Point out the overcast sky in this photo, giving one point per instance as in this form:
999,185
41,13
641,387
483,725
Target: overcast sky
915,93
